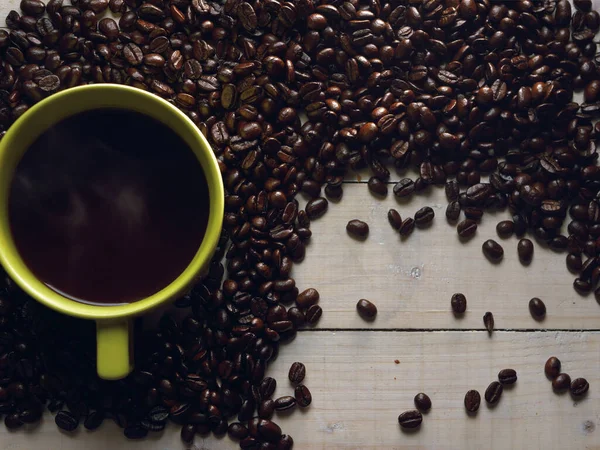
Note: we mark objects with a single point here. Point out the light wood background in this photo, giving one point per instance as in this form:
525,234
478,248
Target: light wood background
358,389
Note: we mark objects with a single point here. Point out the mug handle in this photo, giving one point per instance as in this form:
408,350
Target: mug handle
114,348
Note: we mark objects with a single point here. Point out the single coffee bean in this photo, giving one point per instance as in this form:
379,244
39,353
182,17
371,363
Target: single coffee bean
507,376
452,190
307,298
302,395
579,386
187,433
424,216
525,250
237,430
316,207
13,421
404,188
422,402
537,308
410,419
394,219
493,392
377,187
94,420
66,421
313,314
458,303
267,387
505,228
582,286
552,367
284,403
357,228
297,372
266,408
488,321
492,250
366,309
472,401
453,211
407,226
467,228
561,382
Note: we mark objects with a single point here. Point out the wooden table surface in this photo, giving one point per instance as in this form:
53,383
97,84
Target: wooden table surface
358,388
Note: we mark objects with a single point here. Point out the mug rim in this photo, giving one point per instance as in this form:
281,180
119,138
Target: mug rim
56,108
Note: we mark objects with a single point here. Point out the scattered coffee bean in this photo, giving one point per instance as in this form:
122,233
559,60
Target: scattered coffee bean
297,372
579,387
453,211
307,298
404,188
458,303
492,250
410,419
424,216
452,190
313,314
66,421
366,309
357,228
302,395
284,403
507,376
493,392
561,382
505,228
467,228
525,251
422,402
472,401
537,308
316,207
407,226
394,219
552,367
377,187
488,321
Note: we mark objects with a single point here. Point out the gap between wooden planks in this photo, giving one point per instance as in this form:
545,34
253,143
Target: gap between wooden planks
358,392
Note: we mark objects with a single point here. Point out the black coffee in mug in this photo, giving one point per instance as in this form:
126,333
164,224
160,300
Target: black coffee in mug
108,206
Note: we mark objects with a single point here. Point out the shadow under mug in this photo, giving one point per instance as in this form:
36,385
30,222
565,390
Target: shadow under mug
113,323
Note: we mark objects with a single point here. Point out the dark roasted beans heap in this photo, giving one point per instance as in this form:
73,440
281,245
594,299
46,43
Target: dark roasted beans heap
454,88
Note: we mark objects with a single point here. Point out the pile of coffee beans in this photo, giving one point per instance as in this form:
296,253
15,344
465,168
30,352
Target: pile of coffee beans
461,90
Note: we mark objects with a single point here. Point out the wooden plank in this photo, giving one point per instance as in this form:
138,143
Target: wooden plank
411,280
358,392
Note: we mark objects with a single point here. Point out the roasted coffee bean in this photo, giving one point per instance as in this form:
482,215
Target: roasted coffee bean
424,216
66,421
410,419
187,434
492,250
458,303
552,367
394,219
313,314
366,309
579,387
467,228
422,402
307,298
493,392
407,226
377,187
284,403
525,250
505,228
562,382
297,372
404,188
357,228
488,321
316,207
94,420
302,395
507,376
237,430
537,308
453,211
472,401
452,190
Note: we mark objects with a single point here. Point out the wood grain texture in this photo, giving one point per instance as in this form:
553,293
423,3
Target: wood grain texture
358,392
411,280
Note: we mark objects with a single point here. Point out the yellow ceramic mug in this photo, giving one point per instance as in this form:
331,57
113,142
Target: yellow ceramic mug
113,323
